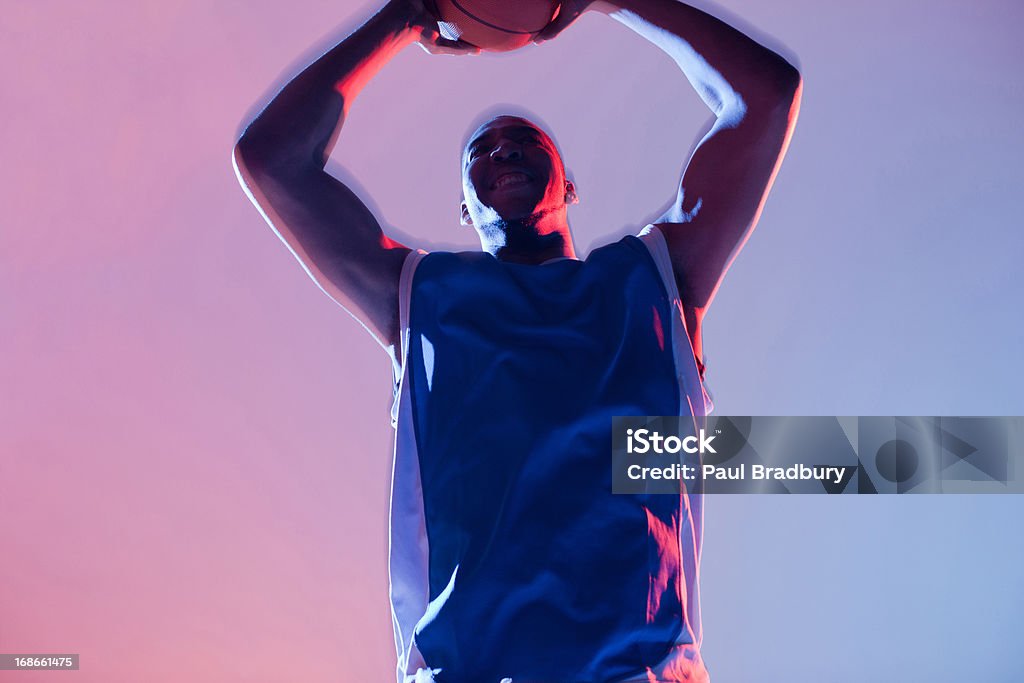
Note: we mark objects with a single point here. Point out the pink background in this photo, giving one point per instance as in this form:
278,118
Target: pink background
194,441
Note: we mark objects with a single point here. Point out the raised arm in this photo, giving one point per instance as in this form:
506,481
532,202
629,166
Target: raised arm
281,155
754,94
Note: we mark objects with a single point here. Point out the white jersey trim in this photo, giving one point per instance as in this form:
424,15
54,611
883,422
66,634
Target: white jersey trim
684,661
686,360
408,568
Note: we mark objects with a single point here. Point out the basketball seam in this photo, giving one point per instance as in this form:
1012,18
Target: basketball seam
477,19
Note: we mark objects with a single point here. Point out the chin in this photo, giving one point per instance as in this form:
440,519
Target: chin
516,213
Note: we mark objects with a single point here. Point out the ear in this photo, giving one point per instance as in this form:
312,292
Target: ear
466,219
570,193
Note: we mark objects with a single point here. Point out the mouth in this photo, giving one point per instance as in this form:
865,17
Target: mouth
511,179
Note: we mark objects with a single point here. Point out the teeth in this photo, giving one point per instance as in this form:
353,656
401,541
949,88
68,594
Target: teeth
510,179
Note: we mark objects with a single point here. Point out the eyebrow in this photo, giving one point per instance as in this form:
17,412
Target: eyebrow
513,129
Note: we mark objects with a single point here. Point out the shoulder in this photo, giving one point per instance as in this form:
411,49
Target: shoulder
630,249
647,250
459,268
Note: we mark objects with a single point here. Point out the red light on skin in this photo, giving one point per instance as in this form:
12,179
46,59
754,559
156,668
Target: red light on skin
658,331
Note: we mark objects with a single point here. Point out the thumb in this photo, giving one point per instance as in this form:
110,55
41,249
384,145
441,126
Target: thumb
565,17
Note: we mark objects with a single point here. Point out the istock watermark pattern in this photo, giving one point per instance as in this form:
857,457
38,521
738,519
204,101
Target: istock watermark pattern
831,455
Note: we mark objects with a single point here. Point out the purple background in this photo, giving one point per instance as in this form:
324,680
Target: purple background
194,441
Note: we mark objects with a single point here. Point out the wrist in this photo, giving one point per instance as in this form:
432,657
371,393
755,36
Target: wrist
408,16
402,19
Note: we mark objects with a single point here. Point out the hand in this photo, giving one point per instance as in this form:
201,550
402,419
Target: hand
570,11
423,19
434,43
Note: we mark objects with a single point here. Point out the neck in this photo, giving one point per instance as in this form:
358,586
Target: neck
532,240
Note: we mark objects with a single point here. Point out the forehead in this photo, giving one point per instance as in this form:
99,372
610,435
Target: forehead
503,124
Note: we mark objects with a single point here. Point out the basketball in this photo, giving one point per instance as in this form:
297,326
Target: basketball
495,25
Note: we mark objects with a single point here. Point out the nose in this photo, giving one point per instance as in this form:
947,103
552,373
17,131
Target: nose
507,150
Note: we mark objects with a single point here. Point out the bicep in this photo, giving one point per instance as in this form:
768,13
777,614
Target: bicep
723,189
336,239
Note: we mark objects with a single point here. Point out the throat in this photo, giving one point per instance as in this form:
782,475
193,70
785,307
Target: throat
538,238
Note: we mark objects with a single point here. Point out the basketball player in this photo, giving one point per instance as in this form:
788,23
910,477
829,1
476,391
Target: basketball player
510,558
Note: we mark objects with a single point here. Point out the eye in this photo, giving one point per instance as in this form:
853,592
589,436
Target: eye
476,150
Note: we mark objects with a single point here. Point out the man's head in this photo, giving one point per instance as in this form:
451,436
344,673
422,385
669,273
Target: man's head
512,174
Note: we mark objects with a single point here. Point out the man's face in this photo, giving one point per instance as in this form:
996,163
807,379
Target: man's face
510,170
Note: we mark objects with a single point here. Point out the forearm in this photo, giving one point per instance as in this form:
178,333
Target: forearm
730,71
299,125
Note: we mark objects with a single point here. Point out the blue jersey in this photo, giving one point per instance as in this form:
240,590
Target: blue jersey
510,557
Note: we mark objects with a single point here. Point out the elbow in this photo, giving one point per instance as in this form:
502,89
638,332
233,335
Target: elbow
240,156
777,90
252,162
790,92
240,162
790,88
256,155
253,153
784,83
247,154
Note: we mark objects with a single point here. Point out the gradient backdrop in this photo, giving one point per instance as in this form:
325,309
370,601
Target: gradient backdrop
195,441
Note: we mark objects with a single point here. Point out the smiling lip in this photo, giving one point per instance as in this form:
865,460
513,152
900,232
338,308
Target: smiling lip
511,179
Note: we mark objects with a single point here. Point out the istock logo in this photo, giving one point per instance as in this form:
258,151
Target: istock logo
647,441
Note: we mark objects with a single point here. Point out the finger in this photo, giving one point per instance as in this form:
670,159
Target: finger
560,23
443,47
447,50
435,43
459,46
453,51
431,41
